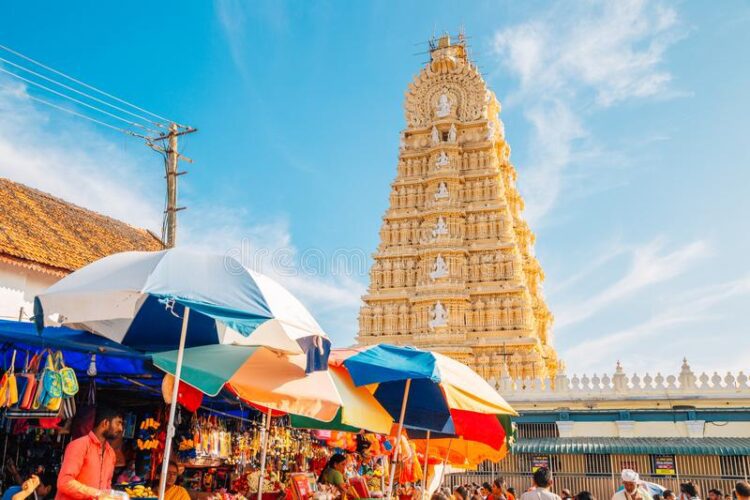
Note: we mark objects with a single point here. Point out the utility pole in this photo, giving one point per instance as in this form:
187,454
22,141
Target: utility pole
172,157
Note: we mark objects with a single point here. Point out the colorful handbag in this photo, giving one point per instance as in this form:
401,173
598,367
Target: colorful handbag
67,377
31,383
49,394
9,386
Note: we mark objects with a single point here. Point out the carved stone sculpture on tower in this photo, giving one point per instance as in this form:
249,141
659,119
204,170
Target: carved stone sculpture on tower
440,228
442,160
439,268
491,130
442,192
452,134
435,135
443,106
439,316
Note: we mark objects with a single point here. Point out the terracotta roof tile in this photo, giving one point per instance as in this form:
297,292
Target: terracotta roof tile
47,233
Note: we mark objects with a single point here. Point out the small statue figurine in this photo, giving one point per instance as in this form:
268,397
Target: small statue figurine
439,316
443,106
439,269
442,160
402,142
491,130
452,133
440,228
435,136
442,192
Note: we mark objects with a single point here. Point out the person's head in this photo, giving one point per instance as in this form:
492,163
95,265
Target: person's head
439,495
742,489
486,489
668,495
498,486
630,480
565,493
585,495
542,477
714,494
108,423
510,489
656,496
460,493
45,484
689,489
338,462
173,472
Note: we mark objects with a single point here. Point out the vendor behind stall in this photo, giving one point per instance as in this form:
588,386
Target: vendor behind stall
174,491
333,474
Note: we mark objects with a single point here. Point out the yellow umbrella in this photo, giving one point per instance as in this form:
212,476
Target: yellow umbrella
459,452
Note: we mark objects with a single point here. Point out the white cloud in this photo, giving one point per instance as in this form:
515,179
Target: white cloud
120,177
650,265
644,345
580,56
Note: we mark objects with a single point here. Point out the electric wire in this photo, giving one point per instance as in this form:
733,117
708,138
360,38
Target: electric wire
78,101
80,115
90,87
72,89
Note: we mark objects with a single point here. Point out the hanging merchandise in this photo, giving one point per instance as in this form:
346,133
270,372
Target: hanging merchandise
9,386
30,374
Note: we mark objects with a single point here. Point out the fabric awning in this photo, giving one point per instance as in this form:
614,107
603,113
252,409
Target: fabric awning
634,446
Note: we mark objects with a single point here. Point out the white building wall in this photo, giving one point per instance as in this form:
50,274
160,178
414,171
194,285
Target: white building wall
18,286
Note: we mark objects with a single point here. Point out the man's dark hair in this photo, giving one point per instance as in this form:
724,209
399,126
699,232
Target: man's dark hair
742,488
104,413
510,489
716,492
542,477
689,489
498,482
487,486
667,493
462,491
585,495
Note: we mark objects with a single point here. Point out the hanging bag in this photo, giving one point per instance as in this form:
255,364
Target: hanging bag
31,383
8,386
49,394
67,377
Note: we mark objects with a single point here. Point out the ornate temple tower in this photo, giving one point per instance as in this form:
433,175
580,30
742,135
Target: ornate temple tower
455,270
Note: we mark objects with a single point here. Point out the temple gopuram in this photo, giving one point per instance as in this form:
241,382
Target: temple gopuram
455,270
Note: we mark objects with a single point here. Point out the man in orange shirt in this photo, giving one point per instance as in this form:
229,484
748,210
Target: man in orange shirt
89,461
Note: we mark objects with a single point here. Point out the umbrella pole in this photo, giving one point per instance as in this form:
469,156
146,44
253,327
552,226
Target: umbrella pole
445,463
398,437
426,457
263,450
173,406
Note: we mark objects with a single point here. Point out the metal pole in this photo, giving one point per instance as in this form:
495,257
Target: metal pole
173,406
263,450
398,438
445,462
426,457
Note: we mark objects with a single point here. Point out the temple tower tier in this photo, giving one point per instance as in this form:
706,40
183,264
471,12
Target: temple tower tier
455,271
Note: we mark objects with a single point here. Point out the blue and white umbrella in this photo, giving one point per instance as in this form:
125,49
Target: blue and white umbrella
144,300
138,298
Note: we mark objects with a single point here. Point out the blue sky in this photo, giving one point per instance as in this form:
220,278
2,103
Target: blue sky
627,120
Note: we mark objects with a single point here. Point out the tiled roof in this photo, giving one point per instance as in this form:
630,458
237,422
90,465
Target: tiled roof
635,446
46,233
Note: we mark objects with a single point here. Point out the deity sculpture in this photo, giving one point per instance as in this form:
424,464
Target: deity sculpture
443,106
452,133
402,142
442,192
442,160
435,136
439,316
440,228
491,130
439,269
